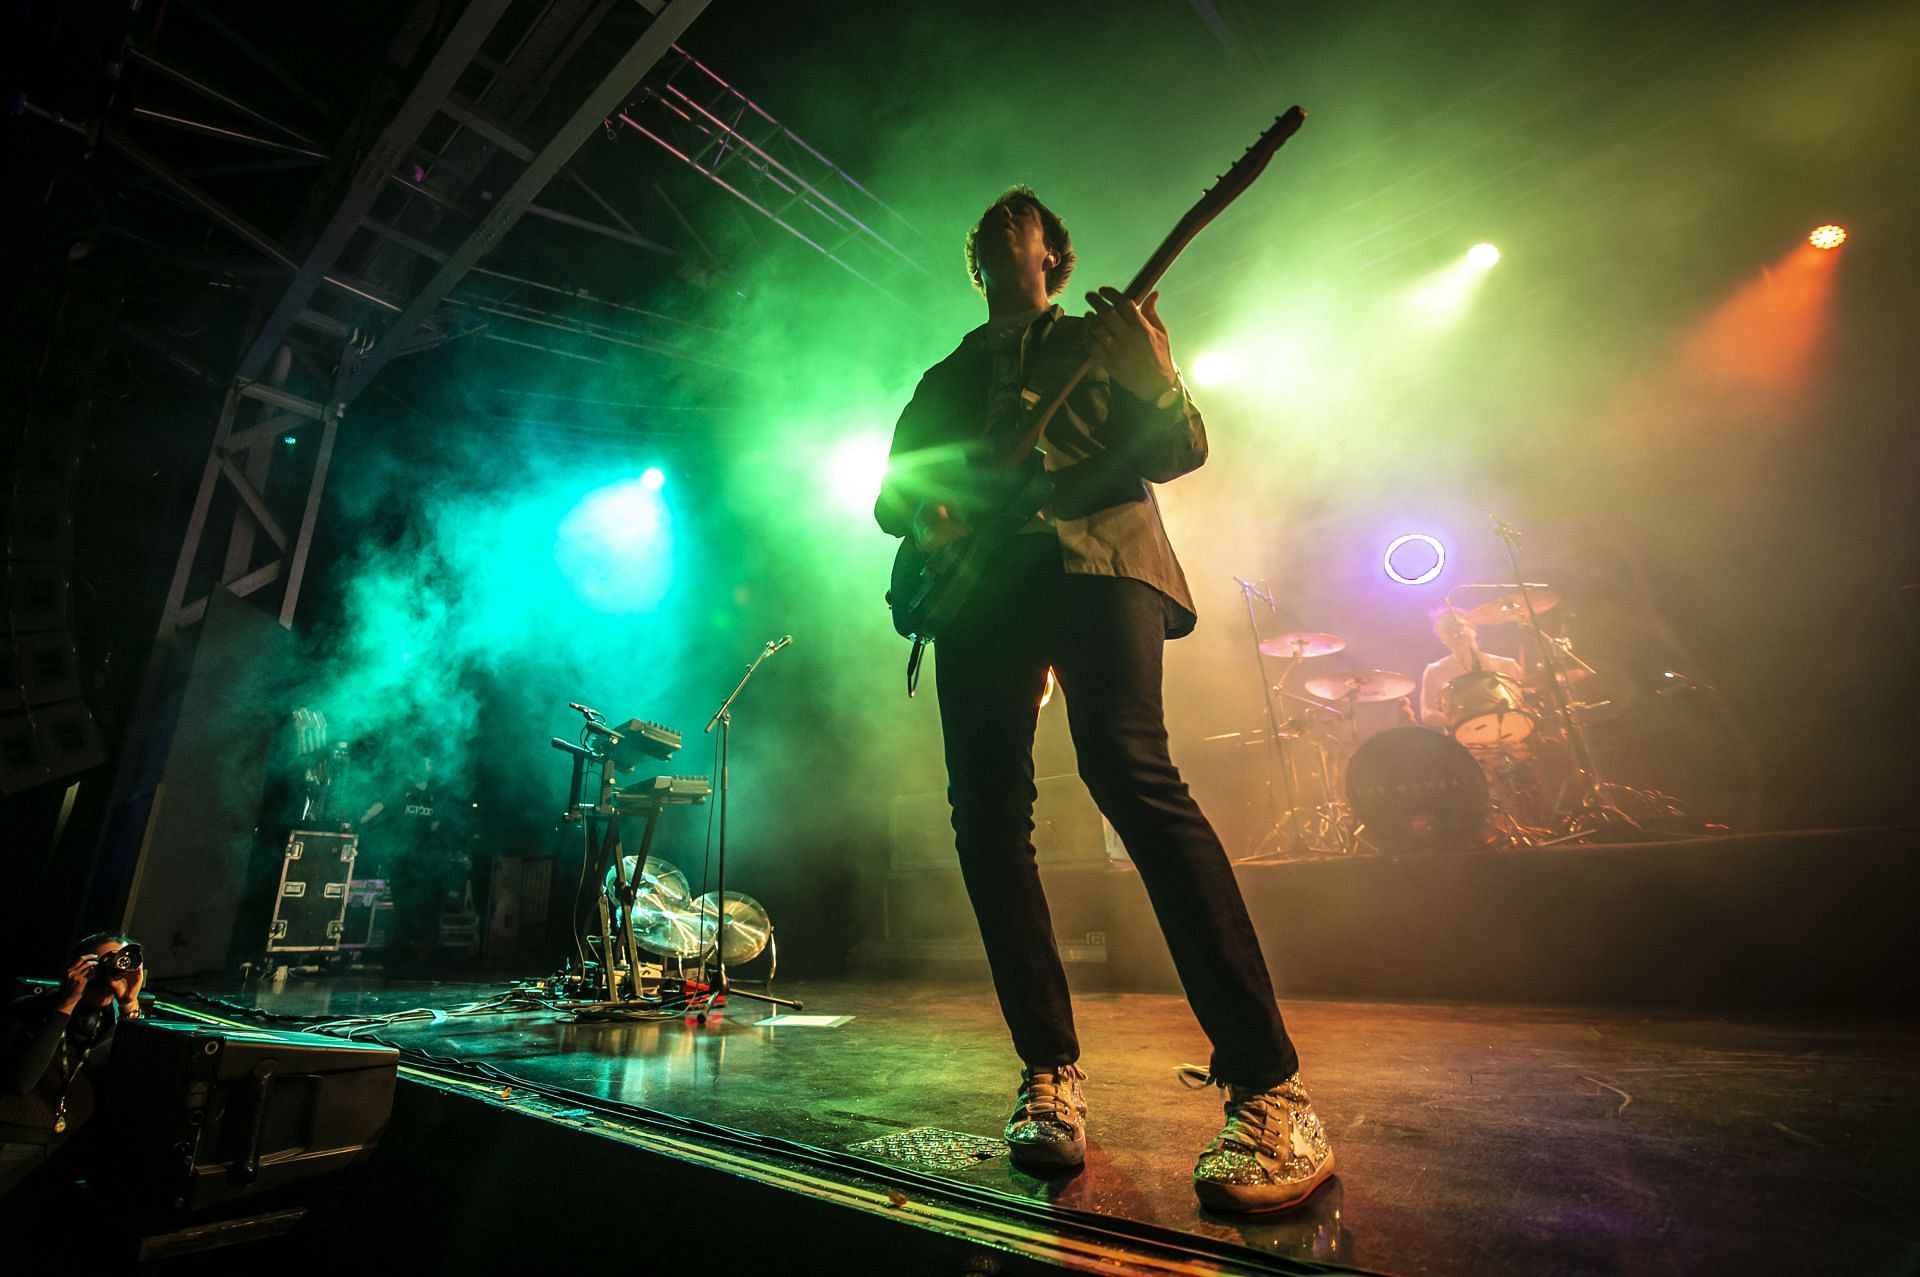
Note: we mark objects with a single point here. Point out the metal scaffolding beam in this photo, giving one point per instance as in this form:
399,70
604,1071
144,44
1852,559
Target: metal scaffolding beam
704,122
435,83
257,409
653,44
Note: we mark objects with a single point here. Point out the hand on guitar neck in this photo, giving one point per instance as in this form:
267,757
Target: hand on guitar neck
1131,342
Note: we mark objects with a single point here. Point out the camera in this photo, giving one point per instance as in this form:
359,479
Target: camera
119,964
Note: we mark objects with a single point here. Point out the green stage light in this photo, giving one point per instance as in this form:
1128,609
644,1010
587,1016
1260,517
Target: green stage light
1483,256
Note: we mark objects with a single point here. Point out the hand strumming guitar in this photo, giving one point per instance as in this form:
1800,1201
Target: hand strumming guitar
937,526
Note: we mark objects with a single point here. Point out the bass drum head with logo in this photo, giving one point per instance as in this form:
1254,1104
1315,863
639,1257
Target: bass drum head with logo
1415,790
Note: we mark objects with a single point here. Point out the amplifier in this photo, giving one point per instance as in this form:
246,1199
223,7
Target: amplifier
518,906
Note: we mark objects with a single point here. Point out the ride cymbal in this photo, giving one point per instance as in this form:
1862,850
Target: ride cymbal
1511,608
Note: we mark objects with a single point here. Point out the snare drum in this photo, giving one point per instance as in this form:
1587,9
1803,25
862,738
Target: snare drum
1485,707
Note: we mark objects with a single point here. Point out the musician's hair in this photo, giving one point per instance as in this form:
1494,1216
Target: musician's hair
1449,616
87,944
1051,228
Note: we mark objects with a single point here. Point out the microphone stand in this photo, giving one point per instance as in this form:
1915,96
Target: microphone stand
1286,830
723,717
1593,806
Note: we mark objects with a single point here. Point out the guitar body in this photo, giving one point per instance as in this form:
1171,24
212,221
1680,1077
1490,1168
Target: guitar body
928,591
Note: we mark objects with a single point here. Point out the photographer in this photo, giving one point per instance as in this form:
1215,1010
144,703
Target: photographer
52,1046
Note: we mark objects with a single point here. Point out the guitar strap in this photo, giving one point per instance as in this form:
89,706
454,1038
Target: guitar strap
1009,390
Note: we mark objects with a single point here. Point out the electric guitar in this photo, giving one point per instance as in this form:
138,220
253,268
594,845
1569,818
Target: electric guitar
929,589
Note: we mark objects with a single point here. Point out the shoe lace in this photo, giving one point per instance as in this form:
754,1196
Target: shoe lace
1046,1094
1251,1115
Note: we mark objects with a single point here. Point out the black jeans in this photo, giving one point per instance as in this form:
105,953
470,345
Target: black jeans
1104,637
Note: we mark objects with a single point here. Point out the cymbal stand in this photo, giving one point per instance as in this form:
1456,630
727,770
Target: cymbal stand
1286,828
1593,811
1333,824
717,984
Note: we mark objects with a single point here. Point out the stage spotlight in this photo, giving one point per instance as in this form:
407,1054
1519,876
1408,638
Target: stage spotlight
1482,256
1214,368
289,440
855,469
1412,561
653,478
616,547
1828,236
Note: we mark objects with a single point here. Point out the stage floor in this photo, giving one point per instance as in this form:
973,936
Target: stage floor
1470,1139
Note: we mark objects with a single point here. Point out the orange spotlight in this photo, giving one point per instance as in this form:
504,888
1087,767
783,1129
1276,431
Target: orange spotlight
1047,695
1767,335
1828,236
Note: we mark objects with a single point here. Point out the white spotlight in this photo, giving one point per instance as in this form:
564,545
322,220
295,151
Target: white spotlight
1482,256
1213,369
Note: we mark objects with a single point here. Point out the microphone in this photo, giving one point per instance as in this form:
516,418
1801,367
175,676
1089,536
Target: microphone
593,715
778,643
1257,593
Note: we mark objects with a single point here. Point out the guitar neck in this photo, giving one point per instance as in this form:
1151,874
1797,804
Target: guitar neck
1195,220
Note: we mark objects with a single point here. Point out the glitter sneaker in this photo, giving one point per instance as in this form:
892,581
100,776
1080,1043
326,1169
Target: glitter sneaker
1271,1154
1048,1129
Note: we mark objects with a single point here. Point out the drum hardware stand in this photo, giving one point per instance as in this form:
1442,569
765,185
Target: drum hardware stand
1325,828
1593,811
1333,825
1504,797
1286,828
718,986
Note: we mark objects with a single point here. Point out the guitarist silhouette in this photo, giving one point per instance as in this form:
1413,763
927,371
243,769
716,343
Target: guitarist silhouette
1086,584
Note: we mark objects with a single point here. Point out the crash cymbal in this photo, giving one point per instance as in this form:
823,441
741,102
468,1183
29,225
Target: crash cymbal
1302,645
658,886
746,930
1360,685
1509,608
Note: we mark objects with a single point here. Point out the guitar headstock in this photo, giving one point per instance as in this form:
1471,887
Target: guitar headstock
1229,185
1225,189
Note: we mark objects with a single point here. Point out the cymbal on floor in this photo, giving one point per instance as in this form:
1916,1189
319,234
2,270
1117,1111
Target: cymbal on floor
746,929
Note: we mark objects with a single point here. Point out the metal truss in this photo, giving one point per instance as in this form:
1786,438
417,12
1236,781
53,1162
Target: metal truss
402,235
723,135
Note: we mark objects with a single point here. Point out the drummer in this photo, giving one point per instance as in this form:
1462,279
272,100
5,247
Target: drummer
1462,642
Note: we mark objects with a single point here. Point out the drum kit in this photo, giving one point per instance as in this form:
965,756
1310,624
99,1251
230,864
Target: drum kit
1512,766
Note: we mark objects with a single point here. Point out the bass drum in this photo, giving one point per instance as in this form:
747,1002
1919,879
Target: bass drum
1415,790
